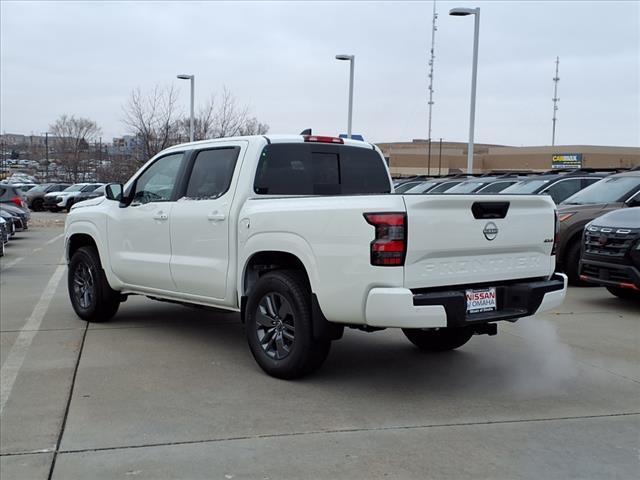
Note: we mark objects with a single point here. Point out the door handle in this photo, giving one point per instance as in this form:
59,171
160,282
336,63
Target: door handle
216,216
160,215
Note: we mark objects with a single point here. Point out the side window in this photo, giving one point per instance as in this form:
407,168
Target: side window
564,189
212,172
157,182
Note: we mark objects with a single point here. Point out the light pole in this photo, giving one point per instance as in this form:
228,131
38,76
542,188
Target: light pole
463,12
191,126
352,60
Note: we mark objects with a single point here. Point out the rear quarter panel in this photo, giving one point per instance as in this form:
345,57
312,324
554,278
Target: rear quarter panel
331,238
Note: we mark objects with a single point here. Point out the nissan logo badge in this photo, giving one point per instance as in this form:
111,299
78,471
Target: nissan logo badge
490,231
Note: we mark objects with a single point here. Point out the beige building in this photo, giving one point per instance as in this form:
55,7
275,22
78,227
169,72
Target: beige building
411,158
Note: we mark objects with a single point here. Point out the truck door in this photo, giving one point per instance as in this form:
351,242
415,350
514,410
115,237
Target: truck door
201,222
138,235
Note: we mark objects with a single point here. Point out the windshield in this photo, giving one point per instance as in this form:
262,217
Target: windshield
495,187
608,190
39,188
422,187
90,188
525,186
465,187
74,188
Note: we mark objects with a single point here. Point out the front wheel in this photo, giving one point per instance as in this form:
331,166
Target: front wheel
440,340
91,296
279,326
624,293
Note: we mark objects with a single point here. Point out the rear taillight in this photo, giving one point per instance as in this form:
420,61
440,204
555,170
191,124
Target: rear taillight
389,247
322,139
18,201
556,233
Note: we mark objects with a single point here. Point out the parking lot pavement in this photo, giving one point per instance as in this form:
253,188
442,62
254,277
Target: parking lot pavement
164,391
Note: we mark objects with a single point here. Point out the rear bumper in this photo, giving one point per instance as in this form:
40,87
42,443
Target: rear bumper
402,308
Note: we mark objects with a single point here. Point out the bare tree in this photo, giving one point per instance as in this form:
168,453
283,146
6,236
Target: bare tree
253,127
229,118
72,137
153,118
203,122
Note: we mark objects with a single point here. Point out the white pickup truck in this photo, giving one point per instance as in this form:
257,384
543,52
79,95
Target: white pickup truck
303,236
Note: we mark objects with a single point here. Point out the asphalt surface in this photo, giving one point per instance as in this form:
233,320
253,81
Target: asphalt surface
164,391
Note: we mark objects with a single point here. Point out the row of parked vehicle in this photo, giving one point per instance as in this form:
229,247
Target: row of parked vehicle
13,219
591,248
50,196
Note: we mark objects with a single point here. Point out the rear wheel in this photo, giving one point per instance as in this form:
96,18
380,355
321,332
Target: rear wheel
279,326
440,340
624,293
36,205
91,296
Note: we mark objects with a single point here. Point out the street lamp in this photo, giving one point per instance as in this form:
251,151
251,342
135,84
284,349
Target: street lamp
192,78
463,12
352,60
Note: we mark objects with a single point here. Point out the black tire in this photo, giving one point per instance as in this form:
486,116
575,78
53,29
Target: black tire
91,296
36,205
441,340
624,293
279,327
69,204
572,264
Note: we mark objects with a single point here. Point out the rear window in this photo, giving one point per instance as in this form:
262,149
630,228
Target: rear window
318,169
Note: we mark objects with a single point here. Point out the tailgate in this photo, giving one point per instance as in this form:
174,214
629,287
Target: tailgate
451,241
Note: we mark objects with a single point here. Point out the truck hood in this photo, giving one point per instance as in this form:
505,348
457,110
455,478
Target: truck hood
88,203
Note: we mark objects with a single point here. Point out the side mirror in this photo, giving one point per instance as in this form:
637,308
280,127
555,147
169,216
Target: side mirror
113,191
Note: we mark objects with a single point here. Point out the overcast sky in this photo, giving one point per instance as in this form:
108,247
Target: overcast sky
278,58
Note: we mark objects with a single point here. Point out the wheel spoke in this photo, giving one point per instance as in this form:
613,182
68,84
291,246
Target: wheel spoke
287,335
289,327
270,305
263,319
280,347
268,337
285,310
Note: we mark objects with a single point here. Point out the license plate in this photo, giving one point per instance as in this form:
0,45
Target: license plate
482,300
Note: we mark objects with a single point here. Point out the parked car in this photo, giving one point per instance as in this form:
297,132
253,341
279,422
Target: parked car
611,193
12,194
23,214
302,236
560,185
611,252
86,195
404,186
4,235
64,200
35,196
488,184
13,221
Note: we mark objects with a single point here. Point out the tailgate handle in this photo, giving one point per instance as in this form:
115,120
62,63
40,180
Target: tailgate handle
483,210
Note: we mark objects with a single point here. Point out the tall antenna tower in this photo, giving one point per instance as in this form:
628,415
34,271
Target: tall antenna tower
555,99
431,63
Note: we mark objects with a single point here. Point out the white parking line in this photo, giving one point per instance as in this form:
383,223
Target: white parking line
18,352
54,239
12,263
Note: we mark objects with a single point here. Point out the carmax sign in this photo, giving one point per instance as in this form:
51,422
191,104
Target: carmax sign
566,160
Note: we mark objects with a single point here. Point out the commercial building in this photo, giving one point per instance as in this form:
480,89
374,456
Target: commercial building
412,158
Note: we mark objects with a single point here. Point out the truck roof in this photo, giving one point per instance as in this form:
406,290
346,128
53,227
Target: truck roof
274,139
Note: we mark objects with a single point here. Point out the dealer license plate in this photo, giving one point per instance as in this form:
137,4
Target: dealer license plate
482,300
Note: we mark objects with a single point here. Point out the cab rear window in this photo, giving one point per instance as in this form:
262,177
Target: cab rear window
316,169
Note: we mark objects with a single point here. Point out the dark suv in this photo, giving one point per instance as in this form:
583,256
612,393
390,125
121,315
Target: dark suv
614,192
611,252
558,184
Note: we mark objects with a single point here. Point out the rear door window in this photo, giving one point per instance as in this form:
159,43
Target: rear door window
317,169
212,172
